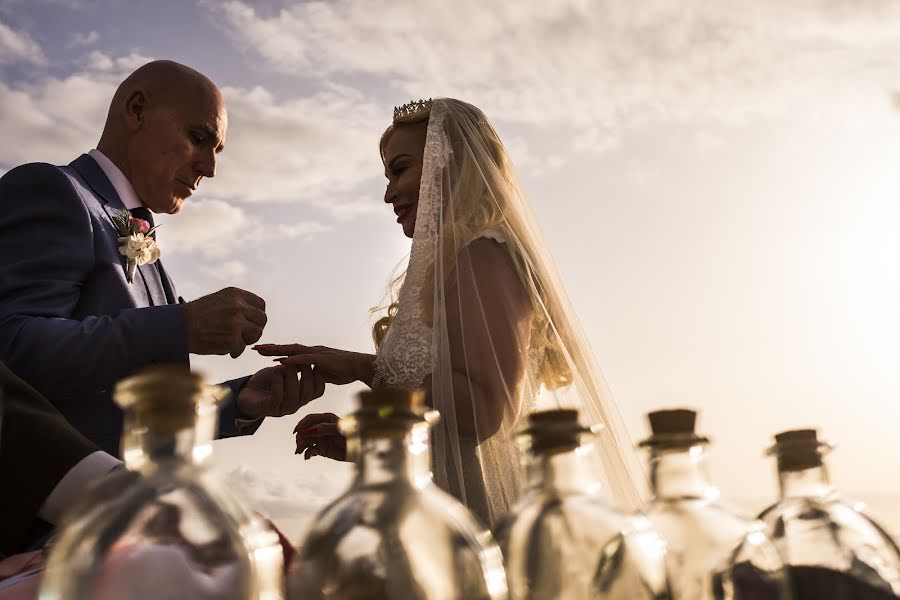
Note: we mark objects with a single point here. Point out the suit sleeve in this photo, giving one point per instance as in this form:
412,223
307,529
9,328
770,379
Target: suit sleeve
229,424
37,448
46,254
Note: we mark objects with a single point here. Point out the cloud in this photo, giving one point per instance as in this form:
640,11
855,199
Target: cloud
53,120
121,67
210,227
228,271
304,230
590,64
311,149
217,230
19,47
84,39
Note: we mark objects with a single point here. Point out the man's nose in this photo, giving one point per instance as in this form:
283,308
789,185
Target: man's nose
206,164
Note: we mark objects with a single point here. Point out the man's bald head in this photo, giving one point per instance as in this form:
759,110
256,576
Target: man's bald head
165,125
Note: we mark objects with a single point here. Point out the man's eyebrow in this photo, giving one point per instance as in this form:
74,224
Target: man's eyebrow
210,133
395,159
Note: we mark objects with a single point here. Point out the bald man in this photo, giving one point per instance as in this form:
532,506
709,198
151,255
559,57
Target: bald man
71,323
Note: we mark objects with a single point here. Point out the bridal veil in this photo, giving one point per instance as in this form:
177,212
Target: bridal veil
483,320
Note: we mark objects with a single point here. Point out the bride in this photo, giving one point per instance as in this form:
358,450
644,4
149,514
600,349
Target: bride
480,319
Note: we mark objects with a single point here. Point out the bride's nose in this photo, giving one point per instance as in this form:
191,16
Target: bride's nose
390,194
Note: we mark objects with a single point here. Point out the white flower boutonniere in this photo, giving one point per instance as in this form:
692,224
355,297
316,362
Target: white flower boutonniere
135,243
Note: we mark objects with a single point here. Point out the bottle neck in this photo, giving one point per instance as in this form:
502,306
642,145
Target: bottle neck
812,481
681,473
395,457
149,444
564,472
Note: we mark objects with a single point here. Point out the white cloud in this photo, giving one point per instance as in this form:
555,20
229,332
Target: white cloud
353,208
99,61
310,149
229,271
53,120
84,39
305,230
211,227
19,46
591,64
218,231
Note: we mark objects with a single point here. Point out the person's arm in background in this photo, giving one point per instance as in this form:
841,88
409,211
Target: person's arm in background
45,464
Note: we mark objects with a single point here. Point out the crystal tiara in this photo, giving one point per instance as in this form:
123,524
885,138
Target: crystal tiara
411,108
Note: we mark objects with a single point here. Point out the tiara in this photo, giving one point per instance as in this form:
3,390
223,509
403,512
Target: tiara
411,108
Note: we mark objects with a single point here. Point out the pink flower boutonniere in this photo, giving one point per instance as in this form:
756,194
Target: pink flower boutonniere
135,243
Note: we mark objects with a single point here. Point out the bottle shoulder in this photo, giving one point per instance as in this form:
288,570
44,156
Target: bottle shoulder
541,512
377,507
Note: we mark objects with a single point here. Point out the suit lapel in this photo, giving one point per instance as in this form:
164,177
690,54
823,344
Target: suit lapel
167,284
94,176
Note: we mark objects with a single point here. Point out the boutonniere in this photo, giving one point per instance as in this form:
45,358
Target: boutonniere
135,243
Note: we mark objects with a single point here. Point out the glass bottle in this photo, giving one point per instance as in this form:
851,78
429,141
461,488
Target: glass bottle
164,527
393,534
833,551
562,540
712,552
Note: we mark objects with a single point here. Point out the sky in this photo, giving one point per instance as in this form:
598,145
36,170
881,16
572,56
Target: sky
718,183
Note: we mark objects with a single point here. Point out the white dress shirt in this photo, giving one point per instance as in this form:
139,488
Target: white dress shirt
118,180
71,487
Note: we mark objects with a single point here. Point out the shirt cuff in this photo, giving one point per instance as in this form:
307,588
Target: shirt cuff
89,469
229,393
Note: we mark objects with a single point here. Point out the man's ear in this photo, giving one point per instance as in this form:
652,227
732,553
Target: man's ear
135,108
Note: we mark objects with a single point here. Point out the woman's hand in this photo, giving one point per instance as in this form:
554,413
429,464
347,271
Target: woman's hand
318,435
335,366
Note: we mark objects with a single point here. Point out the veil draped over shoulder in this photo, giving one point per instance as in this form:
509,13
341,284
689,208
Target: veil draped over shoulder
483,321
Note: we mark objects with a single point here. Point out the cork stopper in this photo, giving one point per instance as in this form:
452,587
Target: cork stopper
554,431
559,416
393,397
388,411
673,428
798,449
673,421
167,398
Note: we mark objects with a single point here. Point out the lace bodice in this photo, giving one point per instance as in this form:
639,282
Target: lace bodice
405,357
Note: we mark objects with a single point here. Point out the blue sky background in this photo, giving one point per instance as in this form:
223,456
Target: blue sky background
718,183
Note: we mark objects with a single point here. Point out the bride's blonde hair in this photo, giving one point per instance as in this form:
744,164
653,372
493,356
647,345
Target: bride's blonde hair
482,196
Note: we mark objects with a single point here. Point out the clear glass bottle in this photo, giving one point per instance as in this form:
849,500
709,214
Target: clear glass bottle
393,535
561,539
164,528
712,552
833,551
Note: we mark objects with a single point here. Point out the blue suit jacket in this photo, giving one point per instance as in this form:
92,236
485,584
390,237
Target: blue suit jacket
70,323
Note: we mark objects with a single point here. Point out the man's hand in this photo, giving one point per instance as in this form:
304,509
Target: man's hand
278,391
225,322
